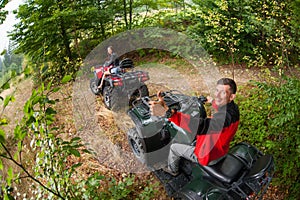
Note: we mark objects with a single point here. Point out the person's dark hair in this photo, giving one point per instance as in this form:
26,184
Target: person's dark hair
230,82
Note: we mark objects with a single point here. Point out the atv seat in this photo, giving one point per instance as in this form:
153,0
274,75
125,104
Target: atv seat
225,170
260,167
126,63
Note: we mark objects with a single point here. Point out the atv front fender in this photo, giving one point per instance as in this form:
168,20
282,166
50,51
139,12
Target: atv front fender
179,134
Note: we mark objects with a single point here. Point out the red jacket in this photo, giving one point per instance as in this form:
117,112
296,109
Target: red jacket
214,134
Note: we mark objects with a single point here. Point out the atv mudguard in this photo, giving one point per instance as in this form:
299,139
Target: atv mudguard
157,134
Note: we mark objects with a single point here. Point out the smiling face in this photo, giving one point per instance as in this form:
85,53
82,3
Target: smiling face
223,95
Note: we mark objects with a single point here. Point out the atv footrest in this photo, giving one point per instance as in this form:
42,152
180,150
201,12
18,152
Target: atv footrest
172,184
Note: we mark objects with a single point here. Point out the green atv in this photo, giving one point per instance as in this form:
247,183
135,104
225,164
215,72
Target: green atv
244,173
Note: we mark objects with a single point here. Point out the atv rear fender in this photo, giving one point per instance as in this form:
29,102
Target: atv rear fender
253,178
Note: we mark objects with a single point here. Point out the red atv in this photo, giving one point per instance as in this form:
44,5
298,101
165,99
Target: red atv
122,86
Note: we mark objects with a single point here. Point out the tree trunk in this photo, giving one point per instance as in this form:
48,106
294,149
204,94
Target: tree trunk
125,13
64,35
65,40
130,13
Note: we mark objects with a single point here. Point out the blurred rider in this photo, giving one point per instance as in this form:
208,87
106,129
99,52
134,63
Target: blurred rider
111,60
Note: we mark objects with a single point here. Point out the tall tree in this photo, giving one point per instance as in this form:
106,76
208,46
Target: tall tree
128,12
3,12
1,65
55,33
11,61
7,59
296,23
49,31
256,32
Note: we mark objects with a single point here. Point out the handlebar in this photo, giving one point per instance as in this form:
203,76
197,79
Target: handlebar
143,102
202,99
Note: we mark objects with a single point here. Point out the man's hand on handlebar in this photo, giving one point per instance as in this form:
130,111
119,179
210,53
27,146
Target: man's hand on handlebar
209,99
159,107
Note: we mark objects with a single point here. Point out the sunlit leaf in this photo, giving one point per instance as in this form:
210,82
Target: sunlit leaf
75,139
2,136
66,79
50,111
75,152
1,166
3,121
5,86
8,99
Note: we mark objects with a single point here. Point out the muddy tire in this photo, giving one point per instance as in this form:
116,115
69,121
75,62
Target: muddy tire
107,97
94,86
112,98
143,91
135,142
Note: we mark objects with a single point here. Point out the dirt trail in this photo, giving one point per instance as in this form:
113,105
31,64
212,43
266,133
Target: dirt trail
192,82
14,111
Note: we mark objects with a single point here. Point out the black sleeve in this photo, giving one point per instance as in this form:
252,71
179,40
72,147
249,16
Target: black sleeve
214,124
174,107
112,59
195,123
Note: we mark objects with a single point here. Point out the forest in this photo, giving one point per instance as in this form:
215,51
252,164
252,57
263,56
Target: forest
52,39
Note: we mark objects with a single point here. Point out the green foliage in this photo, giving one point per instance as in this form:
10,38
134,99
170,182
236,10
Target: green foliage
52,163
270,120
121,189
5,82
148,192
295,22
49,33
51,173
3,13
51,151
126,189
10,64
56,35
255,32
220,27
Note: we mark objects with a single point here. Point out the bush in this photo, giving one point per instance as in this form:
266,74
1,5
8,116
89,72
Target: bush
254,32
270,116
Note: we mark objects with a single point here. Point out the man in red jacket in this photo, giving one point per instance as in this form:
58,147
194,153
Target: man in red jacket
214,133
